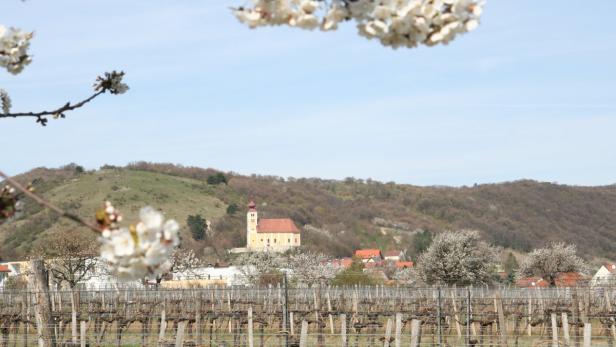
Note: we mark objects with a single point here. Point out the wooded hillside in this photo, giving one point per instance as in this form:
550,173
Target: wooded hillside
336,217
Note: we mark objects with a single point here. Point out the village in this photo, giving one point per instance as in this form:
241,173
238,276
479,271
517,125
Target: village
270,241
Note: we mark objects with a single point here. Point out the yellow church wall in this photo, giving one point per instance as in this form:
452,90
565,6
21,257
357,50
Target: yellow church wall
277,241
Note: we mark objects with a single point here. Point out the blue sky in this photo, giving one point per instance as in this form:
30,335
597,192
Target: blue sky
530,94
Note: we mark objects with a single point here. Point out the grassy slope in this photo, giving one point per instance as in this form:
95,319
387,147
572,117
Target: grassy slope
129,190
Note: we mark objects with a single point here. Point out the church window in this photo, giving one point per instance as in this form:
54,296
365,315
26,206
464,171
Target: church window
289,241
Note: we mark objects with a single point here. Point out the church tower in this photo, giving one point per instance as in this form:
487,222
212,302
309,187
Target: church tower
251,225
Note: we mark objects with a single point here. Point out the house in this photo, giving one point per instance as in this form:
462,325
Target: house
605,275
404,264
369,255
11,269
99,278
532,282
563,280
394,255
4,274
276,235
343,263
205,276
571,279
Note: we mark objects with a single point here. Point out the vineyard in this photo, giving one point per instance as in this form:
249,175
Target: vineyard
319,316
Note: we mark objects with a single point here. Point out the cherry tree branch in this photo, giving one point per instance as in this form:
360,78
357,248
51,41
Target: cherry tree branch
59,112
109,82
49,205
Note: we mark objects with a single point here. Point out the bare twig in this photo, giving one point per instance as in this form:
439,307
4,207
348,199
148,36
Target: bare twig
49,205
41,117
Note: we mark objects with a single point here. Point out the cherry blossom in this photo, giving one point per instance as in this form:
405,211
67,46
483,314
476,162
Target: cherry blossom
14,44
5,101
395,23
140,250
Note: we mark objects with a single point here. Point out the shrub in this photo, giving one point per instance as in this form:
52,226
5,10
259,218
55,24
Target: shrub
197,226
217,178
232,209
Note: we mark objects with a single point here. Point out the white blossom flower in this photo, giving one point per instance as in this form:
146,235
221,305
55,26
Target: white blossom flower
10,203
142,250
252,18
14,44
5,101
112,82
335,15
309,6
382,12
307,21
120,244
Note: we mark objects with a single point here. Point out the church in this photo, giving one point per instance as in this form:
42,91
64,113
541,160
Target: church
275,235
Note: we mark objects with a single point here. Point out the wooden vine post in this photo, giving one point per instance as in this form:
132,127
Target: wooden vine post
502,324
42,304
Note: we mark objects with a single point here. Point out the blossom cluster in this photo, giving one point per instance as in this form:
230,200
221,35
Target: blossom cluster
460,258
5,101
112,82
14,44
9,203
549,261
395,23
139,250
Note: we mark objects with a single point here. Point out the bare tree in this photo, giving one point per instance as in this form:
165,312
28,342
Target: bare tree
185,261
71,258
551,261
457,258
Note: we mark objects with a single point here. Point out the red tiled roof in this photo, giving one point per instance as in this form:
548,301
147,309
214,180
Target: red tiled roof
570,279
404,264
392,253
565,279
368,253
280,225
532,282
344,262
4,268
611,267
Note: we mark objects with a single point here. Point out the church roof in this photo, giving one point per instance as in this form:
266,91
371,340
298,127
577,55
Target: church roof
277,225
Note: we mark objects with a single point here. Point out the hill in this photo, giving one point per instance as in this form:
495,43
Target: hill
336,216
